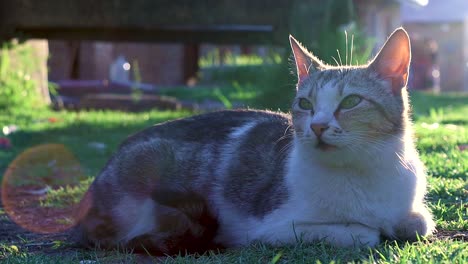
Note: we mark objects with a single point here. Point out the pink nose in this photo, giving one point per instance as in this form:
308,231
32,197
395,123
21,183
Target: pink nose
318,128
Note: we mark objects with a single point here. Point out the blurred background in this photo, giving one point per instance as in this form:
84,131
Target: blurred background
135,55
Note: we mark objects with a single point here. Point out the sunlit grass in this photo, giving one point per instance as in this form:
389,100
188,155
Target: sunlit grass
441,126
66,196
80,132
215,59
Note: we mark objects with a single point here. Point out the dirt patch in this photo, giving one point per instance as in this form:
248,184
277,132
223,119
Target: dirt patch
23,205
452,235
26,240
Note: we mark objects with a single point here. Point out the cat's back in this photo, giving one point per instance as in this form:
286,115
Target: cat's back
242,151
214,127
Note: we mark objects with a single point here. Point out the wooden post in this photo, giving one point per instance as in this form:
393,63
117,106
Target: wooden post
40,53
191,56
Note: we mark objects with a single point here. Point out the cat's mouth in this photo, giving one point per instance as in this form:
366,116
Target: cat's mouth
324,146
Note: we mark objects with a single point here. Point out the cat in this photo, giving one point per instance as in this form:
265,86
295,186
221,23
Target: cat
341,168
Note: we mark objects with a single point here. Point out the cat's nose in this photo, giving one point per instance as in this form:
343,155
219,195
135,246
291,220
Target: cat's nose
318,128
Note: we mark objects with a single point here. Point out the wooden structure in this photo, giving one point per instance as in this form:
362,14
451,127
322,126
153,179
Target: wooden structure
184,21
180,21
188,21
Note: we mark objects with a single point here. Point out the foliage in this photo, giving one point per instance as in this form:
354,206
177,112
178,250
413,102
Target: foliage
214,59
18,90
330,31
334,36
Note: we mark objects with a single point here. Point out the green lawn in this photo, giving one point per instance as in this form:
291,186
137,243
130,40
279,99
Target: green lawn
441,128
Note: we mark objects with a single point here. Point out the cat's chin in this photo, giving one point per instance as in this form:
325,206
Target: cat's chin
333,155
323,146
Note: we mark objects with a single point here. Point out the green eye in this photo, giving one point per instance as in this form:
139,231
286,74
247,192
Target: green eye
305,104
350,101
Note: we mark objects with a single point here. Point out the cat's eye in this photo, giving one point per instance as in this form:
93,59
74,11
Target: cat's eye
350,101
305,104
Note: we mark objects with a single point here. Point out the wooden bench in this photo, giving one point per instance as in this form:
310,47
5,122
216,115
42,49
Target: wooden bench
184,21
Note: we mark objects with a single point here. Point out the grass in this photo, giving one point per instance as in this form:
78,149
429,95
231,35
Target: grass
65,196
79,132
441,126
226,94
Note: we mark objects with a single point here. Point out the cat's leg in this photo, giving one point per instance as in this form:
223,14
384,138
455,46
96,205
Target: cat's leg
173,233
96,226
342,235
167,222
118,206
416,223
139,202
188,222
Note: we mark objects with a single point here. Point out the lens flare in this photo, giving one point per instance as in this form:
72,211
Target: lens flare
42,187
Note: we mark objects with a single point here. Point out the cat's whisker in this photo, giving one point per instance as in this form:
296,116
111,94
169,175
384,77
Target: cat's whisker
339,56
363,143
374,142
287,129
391,135
352,47
284,137
337,64
374,146
346,47
284,150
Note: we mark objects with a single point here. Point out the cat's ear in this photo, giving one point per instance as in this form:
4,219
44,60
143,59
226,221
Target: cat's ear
393,60
305,62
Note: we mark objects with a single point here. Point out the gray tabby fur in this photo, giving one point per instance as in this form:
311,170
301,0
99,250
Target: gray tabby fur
233,177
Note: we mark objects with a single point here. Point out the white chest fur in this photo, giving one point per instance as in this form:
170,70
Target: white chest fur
365,200
375,197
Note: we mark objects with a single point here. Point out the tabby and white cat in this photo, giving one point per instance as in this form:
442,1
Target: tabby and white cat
341,168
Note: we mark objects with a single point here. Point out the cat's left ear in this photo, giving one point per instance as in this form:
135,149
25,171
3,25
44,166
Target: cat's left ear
393,60
305,62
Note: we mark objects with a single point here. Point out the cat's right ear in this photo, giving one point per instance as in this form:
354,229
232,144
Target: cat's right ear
393,60
305,62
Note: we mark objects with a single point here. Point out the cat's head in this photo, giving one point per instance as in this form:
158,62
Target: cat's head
340,109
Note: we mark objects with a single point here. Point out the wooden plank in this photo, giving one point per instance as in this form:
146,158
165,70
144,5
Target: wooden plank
144,13
218,21
151,35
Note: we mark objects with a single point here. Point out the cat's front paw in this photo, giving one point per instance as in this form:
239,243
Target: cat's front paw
414,225
355,235
366,238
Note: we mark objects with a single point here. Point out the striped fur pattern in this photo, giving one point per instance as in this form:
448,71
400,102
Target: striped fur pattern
327,171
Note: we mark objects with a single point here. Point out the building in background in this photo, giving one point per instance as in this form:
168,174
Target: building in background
439,35
379,18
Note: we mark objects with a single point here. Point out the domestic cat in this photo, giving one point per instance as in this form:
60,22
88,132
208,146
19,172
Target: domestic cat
341,168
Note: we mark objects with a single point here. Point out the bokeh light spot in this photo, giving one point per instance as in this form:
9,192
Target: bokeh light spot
42,187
